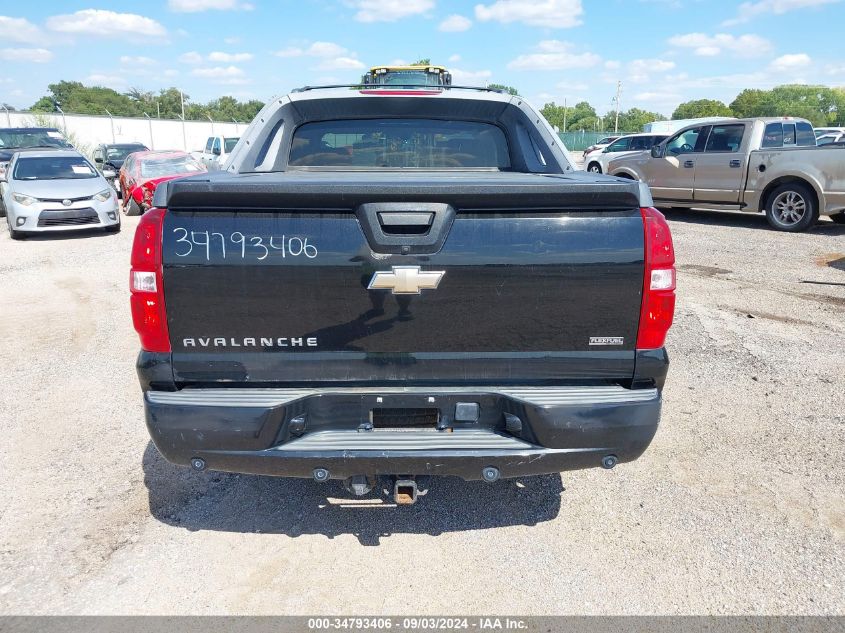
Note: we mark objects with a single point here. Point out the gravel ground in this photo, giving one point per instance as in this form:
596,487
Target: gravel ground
737,507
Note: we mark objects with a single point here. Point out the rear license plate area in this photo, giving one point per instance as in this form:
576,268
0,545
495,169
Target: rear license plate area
404,418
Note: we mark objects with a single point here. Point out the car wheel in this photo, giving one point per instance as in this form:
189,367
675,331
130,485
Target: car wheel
791,207
839,218
594,168
132,208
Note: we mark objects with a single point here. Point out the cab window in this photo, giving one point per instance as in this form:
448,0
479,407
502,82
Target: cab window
684,142
216,147
208,144
619,146
725,138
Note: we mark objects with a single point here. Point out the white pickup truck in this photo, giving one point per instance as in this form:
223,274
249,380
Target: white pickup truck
217,150
761,164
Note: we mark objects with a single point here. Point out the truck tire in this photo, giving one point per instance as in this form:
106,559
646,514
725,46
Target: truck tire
839,218
132,208
791,207
594,168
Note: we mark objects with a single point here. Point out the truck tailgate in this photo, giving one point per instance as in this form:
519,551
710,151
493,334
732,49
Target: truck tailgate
520,279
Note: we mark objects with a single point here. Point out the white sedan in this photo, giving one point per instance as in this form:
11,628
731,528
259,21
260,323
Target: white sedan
597,160
56,190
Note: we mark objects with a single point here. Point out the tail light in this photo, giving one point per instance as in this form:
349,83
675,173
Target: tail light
658,307
145,281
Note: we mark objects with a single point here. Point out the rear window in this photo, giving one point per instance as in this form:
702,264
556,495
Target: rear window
399,143
32,138
806,138
229,144
773,135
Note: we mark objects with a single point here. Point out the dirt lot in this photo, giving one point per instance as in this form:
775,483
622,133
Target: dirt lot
737,507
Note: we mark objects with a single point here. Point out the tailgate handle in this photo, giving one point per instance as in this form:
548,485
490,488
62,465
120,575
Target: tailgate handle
405,228
405,222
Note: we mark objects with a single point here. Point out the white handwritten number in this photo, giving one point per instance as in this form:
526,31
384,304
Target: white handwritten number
185,240
260,244
206,243
241,241
222,243
278,248
293,246
290,247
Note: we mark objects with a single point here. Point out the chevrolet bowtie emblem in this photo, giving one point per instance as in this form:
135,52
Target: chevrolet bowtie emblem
406,280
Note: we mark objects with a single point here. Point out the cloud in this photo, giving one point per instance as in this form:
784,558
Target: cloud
97,79
18,30
661,97
331,56
705,45
388,10
554,55
102,23
454,58
572,86
750,10
219,74
639,70
218,56
191,57
316,49
36,55
786,63
455,24
612,64
558,14
340,63
195,6
325,49
137,61
470,78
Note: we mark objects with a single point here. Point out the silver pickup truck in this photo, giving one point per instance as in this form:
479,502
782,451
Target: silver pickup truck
763,164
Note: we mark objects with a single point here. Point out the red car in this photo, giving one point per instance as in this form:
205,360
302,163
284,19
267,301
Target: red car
142,172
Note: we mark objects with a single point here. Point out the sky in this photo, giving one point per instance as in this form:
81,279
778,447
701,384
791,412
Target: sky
663,51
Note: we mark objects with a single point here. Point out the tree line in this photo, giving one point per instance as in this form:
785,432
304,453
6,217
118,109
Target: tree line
821,105
73,96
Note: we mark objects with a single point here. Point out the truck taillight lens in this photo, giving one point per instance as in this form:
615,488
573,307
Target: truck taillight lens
148,312
658,307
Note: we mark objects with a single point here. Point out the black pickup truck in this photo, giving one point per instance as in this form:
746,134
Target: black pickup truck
401,282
